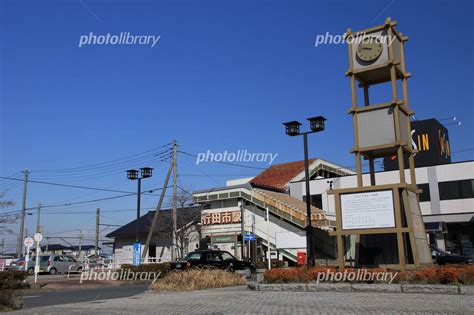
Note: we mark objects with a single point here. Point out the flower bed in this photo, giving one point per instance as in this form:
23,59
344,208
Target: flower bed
449,274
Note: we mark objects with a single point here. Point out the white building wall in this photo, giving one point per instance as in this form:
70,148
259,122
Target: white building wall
254,220
431,175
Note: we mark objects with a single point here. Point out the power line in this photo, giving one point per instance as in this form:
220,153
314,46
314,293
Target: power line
102,163
103,171
84,202
70,186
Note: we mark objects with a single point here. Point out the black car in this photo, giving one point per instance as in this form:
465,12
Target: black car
441,257
213,259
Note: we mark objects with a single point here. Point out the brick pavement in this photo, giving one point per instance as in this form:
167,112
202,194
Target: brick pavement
240,300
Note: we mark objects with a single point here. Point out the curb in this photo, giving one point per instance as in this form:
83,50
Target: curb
363,287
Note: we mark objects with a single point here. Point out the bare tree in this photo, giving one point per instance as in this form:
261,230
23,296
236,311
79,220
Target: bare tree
8,218
188,229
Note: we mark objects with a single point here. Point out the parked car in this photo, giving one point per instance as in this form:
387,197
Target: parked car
51,264
19,264
213,259
98,261
5,262
62,264
442,257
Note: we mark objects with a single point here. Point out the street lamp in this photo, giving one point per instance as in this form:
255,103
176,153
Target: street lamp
145,172
292,128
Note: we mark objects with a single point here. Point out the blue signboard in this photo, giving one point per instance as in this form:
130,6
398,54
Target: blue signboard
137,253
249,237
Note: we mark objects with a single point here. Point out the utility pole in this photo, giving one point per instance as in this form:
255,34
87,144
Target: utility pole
38,219
175,164
269,257
3,246
242,229
157,211
97,223
24,247
80,244
254,249
19,245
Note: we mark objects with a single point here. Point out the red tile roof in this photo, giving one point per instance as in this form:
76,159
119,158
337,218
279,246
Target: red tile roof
278,176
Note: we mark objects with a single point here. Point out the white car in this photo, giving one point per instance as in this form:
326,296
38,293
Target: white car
5,262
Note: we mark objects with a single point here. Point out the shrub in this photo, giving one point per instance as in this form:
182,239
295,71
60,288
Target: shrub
288,275
10,295
12,279
467,276
197,279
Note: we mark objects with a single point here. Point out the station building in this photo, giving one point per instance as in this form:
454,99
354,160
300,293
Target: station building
446,202
241,208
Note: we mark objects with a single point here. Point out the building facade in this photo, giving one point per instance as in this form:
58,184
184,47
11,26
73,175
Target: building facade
236,219
446,201
188,235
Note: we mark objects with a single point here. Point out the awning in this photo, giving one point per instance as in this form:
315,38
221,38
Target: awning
436,227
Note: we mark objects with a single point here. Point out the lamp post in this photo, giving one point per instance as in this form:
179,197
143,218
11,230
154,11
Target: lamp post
145,172
292,128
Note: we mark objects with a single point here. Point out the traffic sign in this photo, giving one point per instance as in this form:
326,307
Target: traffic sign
249,237
38,237
137,253
28,242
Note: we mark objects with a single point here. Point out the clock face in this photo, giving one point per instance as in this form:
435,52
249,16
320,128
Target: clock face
369,50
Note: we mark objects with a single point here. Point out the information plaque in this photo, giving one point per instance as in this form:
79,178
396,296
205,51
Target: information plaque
367,210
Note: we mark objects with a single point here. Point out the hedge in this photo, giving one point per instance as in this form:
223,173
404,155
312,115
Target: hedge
449,274
10,284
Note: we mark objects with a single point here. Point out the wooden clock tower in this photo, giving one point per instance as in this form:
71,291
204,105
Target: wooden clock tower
385,217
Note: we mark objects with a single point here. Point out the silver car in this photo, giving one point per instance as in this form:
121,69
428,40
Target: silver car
51,264
19,264
62,264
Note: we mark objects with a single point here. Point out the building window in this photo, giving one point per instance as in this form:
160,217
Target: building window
316,200
425,195
459,189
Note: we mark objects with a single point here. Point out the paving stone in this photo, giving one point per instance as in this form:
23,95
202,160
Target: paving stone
269,287
241,300
467,289
430,288
296,287
376,287
324,287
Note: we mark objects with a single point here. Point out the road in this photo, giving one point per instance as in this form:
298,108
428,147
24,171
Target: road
239,300
80,295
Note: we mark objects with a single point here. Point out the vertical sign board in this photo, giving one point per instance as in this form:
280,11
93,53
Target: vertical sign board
367,210
137,253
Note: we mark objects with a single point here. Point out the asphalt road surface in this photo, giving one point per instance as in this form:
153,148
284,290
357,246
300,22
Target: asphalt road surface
80,295
240,300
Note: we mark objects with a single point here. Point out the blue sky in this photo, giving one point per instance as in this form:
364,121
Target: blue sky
224,76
